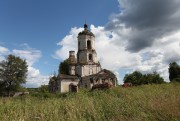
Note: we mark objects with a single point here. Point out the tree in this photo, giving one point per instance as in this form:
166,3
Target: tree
174,71
13,72
64,67
52,83
133,78
153,78
137,78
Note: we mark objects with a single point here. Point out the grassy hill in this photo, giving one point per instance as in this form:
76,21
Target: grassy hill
148,102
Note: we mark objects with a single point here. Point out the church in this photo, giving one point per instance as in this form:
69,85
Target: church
84,69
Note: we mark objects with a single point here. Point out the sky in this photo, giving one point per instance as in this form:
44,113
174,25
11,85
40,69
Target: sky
142,35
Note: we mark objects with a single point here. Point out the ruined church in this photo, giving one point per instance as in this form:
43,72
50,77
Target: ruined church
84,69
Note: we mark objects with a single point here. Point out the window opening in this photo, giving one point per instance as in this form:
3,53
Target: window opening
89,44
90,57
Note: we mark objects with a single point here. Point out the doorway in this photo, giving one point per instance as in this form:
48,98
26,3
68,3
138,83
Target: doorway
73,88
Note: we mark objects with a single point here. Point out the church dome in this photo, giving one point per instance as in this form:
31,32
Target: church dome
86,31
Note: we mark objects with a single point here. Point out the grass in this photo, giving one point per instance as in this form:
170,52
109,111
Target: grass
141,103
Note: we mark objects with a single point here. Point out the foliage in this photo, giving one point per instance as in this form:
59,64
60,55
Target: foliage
137,78
52,82
43,88
176,79
174,72
32,90
133,78
2,88
64,67
53,78
13,72
141,103
152,79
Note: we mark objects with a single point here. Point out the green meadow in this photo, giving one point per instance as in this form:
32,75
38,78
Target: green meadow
141,103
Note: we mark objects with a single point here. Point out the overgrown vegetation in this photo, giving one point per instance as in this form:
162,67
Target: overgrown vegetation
148,102
64,67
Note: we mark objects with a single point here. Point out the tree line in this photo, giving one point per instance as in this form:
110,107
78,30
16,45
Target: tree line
137,78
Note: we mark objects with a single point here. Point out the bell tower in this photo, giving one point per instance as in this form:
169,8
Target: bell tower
87,62
86,47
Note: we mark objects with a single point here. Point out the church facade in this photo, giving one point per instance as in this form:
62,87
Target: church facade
84,69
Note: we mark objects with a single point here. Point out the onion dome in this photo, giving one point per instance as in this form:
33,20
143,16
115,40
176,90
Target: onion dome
86,31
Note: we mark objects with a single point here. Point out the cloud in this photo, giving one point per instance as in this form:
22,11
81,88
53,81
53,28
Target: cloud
32,56
37,81
170,46
35,78
157,57
3,52
147,20
33,73
111,55
69,42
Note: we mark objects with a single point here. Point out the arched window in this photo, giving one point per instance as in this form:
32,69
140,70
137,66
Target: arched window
89,44
90,57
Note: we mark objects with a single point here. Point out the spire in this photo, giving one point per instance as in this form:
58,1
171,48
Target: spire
85,26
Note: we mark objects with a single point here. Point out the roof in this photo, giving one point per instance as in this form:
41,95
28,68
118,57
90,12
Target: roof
105,73
86,31
102,74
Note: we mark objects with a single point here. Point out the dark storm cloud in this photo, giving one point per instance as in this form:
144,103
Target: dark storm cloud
148,19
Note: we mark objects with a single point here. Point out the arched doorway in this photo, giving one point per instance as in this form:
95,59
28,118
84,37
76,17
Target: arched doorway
73,88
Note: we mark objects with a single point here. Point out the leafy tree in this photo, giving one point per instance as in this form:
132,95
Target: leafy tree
64,67
133,78
174,71
156,79
152,79
13,72
137,78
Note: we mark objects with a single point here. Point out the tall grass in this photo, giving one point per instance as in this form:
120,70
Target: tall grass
148,102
